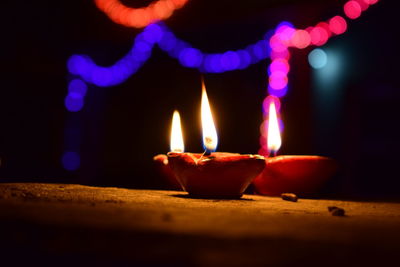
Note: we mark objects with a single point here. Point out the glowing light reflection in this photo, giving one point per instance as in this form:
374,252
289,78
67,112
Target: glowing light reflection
317,58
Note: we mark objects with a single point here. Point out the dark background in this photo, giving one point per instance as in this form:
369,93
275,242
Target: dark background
121,128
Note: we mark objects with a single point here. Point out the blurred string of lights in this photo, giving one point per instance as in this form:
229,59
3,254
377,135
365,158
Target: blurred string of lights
285,37
139,17
274,45
188,56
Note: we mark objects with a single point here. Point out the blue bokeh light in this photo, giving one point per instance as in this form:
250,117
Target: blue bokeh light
230,61
153,33
213,63
77,86
71,160
168,41
190,57
245,59
73,102
317,58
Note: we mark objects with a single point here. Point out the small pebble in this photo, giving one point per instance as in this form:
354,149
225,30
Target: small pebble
335,211
289,197
331,208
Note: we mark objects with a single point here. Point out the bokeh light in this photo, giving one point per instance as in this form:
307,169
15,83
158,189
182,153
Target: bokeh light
73,102
153,33
284,33
301,39
278,80
317,58
337,25
245,59
318,35
71,160
77,86
352,9
230,60
279,64
329,76
190,57
276,44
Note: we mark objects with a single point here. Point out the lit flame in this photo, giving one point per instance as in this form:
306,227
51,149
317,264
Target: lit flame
176,144
274,137
210,138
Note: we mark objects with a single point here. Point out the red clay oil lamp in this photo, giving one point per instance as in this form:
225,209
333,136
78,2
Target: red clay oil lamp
214,174
302,175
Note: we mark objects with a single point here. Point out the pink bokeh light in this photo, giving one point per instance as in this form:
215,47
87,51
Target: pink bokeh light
279,64
352,9
278,80
337,25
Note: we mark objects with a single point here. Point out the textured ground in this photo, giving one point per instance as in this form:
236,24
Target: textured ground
55,224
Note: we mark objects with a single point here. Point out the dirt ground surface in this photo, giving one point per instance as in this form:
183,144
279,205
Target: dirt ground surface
64,225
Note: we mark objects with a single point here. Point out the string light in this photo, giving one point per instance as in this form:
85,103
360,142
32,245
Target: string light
139,17
188,56
286,36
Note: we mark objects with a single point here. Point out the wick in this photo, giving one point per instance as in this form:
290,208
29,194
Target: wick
206,153
273,152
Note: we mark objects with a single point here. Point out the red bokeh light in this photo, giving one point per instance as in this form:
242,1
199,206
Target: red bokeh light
337,25
352,9
319,36
301,39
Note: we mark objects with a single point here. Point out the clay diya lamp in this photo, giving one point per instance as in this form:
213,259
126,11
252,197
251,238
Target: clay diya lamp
165,172
302,175
218,175
211,174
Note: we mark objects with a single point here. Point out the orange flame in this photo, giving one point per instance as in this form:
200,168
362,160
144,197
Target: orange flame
273,137
176,143
210,137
